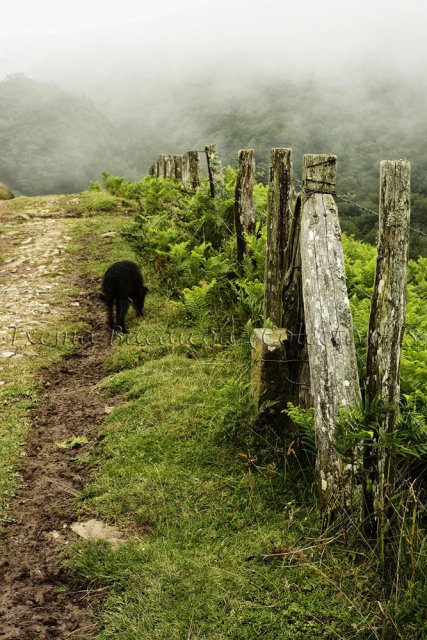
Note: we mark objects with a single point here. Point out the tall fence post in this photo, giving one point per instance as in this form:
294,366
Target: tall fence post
329,327
244,212
279,219
194,169
386,328
283,302
216,177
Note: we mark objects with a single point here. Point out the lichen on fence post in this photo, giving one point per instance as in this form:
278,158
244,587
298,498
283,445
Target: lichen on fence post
216,177
193,169
185,170
169,166
244,211
177,168
386,328
161,166
329,328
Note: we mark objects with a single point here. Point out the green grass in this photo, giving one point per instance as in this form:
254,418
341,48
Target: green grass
222,536
174,471
167,466
5,193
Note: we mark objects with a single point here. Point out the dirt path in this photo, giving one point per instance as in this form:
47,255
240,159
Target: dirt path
33,602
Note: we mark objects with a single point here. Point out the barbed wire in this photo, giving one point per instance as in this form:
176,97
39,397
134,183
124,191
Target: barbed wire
223,192
339,196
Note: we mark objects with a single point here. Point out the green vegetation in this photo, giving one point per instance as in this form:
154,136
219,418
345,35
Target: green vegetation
52,141
221,515
5,193
56,142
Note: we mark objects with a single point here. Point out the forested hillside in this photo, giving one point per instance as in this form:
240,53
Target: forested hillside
52,141
362,122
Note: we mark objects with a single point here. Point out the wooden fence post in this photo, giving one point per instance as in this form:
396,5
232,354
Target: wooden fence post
331,349
185,169
194,169
177,168
244,212
279,220
283,302
216,178
169,166
161,166
386,328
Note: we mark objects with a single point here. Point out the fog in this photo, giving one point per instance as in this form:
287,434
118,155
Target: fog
109,86
88,43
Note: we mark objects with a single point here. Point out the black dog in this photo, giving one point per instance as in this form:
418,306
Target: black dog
123,284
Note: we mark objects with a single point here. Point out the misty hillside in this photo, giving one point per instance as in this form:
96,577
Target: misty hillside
57,142
362,121
52,141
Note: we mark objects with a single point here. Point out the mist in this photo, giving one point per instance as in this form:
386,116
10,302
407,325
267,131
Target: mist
110,87
91,43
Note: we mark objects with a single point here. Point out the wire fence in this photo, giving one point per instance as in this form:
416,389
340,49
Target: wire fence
298,188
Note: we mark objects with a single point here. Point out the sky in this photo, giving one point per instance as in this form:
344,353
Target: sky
50,40
26,17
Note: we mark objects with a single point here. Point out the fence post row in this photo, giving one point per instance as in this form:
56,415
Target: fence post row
244,212
329,327
216,176
386,328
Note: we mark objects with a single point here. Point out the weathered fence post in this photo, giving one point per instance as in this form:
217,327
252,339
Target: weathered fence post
279,220
185,169
161,166
244,212
169,166
177,168
386,328
194,169
329,327
152,171
216,177
283,302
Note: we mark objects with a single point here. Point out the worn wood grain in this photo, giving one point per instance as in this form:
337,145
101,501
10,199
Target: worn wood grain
386,329
329,327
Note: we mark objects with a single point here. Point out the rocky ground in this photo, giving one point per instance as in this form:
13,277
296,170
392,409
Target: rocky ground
38,599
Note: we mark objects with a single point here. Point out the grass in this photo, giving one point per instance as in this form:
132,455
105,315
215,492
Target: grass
5,193
221,544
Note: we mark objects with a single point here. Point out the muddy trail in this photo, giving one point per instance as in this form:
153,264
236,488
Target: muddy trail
38,599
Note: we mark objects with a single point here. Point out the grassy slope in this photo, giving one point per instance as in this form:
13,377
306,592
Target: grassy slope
200,514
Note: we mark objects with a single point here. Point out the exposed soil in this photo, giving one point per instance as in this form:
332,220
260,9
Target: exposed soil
37,598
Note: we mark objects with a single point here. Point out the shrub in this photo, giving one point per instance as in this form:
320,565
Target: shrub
5,192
